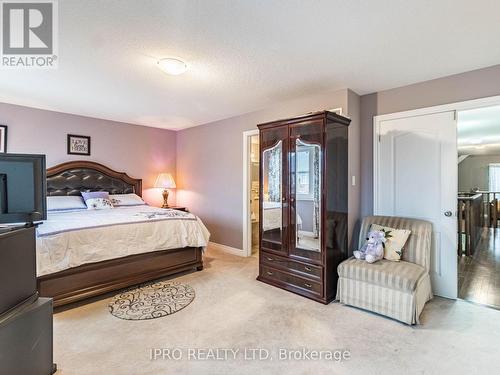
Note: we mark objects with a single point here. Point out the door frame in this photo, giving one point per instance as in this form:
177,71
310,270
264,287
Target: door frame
377,123
457,106
247,221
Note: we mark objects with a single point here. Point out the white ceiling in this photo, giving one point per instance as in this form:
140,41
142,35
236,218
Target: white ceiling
479,131
244,55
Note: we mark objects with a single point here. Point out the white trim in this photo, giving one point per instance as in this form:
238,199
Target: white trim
226,249
305,198
338,111
377,121
247,222
376,154
457,106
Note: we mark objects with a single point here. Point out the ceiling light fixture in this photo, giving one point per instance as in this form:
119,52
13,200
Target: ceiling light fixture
172,66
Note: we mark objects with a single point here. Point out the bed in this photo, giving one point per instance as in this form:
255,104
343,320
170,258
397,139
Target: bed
85,253
272,212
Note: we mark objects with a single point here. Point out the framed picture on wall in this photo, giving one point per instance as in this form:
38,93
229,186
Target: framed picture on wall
78,145
3,138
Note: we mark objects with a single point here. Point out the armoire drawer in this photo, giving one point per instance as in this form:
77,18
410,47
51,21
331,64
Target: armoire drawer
305,270
281,277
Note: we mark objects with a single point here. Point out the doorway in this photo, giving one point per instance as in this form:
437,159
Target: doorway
478,139
413,179
251,167
422,146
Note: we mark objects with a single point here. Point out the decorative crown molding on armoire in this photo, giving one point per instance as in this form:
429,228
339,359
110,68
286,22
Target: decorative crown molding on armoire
303,203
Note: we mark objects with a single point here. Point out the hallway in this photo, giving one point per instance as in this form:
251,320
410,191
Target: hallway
479,275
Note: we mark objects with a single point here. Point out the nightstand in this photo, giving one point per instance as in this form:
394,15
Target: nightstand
179,208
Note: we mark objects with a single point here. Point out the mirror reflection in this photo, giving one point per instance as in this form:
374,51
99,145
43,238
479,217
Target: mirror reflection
308,195
272,161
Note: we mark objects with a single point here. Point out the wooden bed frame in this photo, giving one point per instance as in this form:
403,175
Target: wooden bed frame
89,280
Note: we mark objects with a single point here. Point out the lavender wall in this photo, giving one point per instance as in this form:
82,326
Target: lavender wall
210,161
460,87
473,172
141,152
209,157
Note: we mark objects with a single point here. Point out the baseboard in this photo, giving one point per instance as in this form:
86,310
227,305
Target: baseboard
227,249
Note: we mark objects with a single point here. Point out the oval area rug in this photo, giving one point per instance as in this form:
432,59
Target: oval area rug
151,300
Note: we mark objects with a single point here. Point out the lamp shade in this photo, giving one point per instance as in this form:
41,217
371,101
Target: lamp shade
165,181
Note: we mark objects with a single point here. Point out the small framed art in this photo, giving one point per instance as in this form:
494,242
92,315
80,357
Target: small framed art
3,138
78,145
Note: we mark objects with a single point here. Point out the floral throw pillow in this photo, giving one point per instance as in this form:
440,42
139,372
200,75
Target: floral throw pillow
98,204
94,194
126,200
395,241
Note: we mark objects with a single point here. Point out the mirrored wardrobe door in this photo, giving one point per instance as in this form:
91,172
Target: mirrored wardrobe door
273,190
306,191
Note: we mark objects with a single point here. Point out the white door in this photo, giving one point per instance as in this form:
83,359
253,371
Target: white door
416,176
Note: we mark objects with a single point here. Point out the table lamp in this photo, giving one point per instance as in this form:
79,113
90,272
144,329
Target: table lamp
165,181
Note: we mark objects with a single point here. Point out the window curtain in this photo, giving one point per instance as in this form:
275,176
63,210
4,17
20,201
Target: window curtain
275,161
316,191
494,177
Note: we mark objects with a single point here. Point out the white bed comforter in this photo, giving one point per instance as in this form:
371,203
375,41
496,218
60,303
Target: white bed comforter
71,238
272,212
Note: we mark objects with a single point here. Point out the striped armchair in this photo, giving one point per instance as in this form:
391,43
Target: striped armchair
398,290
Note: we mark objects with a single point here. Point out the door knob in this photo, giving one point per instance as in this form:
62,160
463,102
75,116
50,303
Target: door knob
448,213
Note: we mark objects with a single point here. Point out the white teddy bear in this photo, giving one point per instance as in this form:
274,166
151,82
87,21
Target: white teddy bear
373,249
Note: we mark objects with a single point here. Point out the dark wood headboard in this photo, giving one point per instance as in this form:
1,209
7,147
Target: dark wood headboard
73,177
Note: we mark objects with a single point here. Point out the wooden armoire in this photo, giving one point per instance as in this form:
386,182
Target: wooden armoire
303,203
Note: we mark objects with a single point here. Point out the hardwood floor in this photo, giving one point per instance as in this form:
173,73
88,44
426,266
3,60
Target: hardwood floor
479,275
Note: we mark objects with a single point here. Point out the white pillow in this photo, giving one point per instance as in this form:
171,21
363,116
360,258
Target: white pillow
99,204
396,240
63,203
126,200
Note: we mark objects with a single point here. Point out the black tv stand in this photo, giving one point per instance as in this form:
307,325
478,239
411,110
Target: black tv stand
10,228
26,337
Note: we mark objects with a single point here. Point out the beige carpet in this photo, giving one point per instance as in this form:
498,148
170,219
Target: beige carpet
232,310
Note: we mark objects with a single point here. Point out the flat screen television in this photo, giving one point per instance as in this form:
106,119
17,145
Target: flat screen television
22,188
